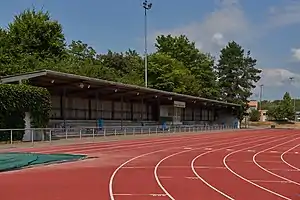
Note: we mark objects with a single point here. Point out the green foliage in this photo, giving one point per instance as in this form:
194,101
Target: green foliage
237,74
168,74
34,41
15,100
34,33
29,40
199,64
284,110
254,115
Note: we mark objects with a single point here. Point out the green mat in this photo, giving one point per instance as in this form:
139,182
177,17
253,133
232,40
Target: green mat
12,161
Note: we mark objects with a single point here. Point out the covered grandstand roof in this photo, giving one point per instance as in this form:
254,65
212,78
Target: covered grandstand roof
48,78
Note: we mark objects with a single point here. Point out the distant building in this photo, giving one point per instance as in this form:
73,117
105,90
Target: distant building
253,105
263,115
298,116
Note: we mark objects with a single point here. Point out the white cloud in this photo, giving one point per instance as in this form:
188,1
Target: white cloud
226,22
296,54
287,14
278,77
229,22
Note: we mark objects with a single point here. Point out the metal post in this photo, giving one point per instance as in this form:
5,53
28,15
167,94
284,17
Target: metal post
295,116
260,96
147,6
11,137
50,136
32,140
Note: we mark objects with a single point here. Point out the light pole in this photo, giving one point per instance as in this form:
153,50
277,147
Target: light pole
291,80
260,96
147,6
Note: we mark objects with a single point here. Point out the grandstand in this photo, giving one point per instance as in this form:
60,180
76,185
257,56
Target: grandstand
79,101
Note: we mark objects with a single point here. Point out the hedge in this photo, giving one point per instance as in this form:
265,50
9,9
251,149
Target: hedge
15,100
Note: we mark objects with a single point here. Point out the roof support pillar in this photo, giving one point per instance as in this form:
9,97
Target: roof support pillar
63,106
142,109
122,111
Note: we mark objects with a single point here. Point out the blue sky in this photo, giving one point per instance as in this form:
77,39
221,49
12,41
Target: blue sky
269,28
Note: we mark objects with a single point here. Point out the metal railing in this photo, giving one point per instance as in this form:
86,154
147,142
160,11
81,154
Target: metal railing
36,135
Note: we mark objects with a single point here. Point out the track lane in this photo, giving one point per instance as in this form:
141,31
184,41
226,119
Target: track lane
92,146
291,157
227,187
257,182
136,187
87,179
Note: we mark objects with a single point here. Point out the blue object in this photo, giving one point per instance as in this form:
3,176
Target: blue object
164,126
235,125
100,123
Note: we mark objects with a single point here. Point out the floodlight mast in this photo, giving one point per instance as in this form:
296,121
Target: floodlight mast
294,102
147,6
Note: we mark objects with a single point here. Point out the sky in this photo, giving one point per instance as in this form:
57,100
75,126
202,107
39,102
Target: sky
270,29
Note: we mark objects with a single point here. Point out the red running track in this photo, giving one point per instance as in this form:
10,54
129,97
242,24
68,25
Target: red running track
256,164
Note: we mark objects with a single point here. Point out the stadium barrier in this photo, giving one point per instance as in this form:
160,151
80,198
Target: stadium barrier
35,135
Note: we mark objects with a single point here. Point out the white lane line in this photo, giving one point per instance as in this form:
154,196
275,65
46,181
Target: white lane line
287,170
153,195
192,178
110,184
251,161
208,184
229,150
173,167
268,171
181,152
90,146
269,181
247,180
287,163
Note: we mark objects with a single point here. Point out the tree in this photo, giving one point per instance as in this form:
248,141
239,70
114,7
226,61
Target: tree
32,38
254,115
284,110
35,33
236,74
199,64
168,74
128,66
286,107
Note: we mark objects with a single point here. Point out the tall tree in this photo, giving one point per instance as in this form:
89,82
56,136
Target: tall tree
128,66
31,39
4,52
199,64
168,74
283,110
237,74
35,33
287,106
